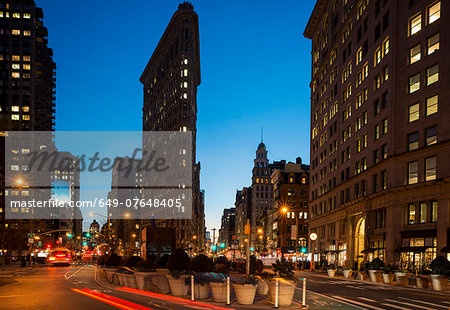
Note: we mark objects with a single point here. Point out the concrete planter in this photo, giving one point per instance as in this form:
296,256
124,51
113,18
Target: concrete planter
141,279
331,272
161,283
285,293
131,280
402,278
422,282
120,278
375,275
219,291
347,273
388,278
162,270
178,287
262,288
245,293
201,291
109,274
438,282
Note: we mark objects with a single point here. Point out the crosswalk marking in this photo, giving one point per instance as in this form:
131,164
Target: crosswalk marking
367,299
357,303
408,304
397,307
424,302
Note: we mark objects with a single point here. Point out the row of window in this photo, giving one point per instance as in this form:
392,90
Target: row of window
15,15
429,170
415,52
430,138
431,78
422,213
415,22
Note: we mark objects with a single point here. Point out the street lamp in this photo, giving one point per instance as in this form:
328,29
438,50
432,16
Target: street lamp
19,181
312,237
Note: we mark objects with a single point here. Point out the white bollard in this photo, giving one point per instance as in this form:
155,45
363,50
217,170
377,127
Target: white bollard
277,288
304,293
228,291
192,287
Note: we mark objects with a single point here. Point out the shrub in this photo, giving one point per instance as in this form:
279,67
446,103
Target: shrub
331,267
161,262
201,263
145,265
132,261
102,259
178,261
223,265
284,269
440,265
113,260
376,264
244,280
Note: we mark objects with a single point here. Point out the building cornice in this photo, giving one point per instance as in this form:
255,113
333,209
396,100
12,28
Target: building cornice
315,17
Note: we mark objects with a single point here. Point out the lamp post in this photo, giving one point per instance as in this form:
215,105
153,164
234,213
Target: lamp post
312,237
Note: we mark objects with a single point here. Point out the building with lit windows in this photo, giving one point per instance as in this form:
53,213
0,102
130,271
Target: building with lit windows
227,227
380,136
170,82
27,100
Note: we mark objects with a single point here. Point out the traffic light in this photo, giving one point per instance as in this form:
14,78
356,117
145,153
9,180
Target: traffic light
304,250
88,234
252,249
69,235
222,245
84,243
214,247
48,245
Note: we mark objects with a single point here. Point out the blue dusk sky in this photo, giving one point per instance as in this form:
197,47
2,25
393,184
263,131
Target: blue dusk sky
255,71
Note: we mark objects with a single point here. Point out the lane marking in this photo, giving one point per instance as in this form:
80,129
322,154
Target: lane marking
77,271
113,301
394,306
356,287
424,302
358,303
330,297
408,304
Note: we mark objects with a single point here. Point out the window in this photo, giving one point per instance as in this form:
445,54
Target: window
386,47
27,15
432,74
384,151
378,56
377,81
430,168
411,214
385,74
433,44
434,211
377,132
423,213
384,126
15,32
16,15
432,105
414,83
413,112
15,108
15,75
27,33
383,181
414,54
434,13
413,172
26,67
16,57
359,55
15,66
430,136
15,117
415,24
413,141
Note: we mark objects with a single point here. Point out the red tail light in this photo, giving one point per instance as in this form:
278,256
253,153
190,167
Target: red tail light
67,259
60,255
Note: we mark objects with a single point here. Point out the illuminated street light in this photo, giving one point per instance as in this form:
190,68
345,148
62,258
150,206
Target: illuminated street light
19,181
194,237
260,231
133,235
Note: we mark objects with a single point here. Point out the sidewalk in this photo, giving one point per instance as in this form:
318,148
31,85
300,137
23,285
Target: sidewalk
340,276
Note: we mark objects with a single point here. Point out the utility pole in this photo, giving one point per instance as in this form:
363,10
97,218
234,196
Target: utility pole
247,247
214,238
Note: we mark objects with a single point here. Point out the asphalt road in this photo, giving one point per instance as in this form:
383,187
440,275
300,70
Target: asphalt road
373,296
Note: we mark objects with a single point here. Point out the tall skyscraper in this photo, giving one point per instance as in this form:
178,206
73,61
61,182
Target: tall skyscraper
27,98
170,81
380,131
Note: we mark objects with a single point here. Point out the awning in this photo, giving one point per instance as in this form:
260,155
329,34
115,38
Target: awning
415,249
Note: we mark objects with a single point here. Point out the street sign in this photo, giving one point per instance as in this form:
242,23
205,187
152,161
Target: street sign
30,240
30,235
39,243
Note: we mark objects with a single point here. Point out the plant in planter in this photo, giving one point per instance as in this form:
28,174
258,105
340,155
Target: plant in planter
347,272
143,270
401,276
177,264
245,289
421,279
331,270
440,267
262,278
284,274
161,263
375,270
388,274
218,286
201,265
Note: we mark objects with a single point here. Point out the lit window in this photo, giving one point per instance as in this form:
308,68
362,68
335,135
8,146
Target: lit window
415,24
185,95
384,125
414,83
15,167
27,33
432,74
432,105
413,141
378,56
27,15
386,47
26,58
26,117
433,44
15,32
423,212
26,109
359,55
430,168
413,112
185,61
16,57
15,75
434,13
411,214
414,54
434,211
26,66
430,136
377,132
15,108
16,15
185,84
413,172
15,66
185,72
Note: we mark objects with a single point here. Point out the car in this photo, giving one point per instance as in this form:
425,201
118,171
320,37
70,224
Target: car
60,256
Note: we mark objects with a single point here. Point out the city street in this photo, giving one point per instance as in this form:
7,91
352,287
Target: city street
374,296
